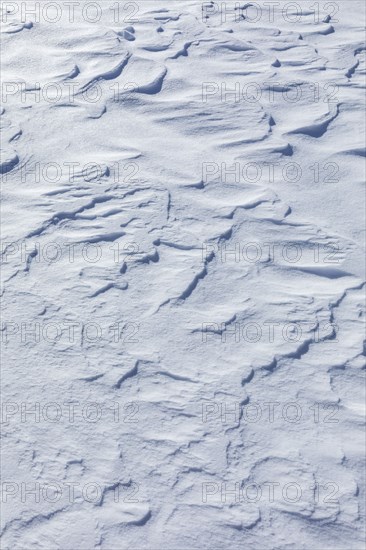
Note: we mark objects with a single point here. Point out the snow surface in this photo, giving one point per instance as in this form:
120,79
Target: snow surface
182,266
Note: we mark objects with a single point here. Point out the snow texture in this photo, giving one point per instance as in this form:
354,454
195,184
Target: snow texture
183,275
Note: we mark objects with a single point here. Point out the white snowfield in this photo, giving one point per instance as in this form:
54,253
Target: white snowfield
183,275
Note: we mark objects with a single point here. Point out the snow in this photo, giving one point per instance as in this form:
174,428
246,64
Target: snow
183,275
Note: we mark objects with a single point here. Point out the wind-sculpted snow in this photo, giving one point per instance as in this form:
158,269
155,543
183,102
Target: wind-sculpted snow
182,275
